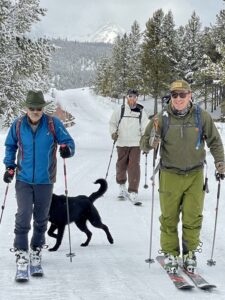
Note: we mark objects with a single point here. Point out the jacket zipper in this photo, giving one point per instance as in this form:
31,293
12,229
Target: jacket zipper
34,134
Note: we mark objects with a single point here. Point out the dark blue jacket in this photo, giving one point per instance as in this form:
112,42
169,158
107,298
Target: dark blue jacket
36,157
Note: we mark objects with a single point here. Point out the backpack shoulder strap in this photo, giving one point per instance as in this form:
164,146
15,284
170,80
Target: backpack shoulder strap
18,125
165,122
51,127
121,113
140,116
122,109
140,110
198,124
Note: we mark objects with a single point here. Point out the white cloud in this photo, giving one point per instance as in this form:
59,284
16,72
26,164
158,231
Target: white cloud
82,17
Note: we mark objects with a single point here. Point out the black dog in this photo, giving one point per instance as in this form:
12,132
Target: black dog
81,209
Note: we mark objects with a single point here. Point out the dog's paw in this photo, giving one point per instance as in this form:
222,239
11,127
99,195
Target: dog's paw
110,239
84,244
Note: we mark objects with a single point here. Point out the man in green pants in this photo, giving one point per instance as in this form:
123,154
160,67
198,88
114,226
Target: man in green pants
183,129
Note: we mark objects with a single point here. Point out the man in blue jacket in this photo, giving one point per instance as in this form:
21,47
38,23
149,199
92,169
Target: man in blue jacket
34,138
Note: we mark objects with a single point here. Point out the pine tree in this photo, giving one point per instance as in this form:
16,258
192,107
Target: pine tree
103,80
134,71
120,66
169,38
23,63
191,50
219,28
155,63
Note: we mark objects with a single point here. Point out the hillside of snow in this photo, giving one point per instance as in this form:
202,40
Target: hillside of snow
106,33
103,271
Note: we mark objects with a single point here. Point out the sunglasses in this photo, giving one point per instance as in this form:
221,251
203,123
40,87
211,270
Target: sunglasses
132,96
35,109
181,95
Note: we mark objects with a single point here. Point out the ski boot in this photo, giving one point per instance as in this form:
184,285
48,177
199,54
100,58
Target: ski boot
123,193
35,262
133,198
189,262
22,262
171,263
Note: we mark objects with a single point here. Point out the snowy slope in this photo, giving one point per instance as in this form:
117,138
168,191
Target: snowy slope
106,34
104,271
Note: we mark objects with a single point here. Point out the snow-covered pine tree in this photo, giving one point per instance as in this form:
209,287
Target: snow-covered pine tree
103,80
210,76
119,62
219,27
23,62
134,74
191,50
170,41
155,63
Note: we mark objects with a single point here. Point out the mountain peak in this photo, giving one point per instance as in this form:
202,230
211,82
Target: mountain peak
106,33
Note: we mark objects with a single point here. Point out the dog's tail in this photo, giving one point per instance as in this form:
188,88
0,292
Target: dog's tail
103,188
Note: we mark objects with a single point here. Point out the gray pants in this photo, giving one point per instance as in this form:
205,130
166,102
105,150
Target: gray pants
32,200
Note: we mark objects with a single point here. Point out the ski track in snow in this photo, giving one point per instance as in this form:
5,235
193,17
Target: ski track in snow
102,271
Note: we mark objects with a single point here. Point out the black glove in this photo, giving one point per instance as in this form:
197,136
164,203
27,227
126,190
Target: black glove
64,151
219,176
9,174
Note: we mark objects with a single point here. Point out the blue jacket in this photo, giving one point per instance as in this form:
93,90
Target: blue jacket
36,157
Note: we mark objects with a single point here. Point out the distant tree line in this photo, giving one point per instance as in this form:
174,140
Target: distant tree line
151,60
74,64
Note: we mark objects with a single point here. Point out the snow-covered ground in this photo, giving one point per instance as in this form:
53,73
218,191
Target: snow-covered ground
103,271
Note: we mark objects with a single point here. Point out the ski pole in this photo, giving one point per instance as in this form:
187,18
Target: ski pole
3,205
211,262
117,128
150,260
146,166
67,211
110,159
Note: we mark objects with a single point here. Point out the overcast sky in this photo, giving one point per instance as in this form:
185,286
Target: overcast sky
83,17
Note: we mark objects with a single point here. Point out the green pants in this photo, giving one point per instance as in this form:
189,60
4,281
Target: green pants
181,195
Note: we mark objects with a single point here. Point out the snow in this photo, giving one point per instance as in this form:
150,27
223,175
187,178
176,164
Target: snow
107,33
103,271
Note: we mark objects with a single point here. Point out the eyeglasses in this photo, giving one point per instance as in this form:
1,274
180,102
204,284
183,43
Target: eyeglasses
35,109
181,95
132,96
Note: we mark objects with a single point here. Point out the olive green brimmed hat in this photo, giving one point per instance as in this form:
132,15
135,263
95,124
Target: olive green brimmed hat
180,85
35,99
